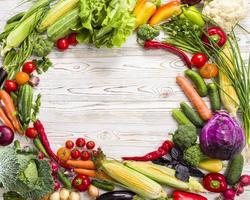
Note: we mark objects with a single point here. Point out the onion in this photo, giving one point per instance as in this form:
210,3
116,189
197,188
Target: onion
93,191
245,180
64,194
55,196
74,196
6,135
229,194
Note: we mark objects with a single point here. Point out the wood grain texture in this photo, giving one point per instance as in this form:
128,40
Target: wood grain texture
121,98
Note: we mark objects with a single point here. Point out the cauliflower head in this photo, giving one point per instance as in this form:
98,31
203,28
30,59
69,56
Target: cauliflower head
227,13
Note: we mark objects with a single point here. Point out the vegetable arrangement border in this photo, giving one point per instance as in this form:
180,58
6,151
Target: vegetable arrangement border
193,161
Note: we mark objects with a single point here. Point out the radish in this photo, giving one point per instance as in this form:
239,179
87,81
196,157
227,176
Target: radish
229,194
245,180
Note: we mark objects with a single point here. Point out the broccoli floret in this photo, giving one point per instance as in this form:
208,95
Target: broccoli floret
147,32
193,155
185,136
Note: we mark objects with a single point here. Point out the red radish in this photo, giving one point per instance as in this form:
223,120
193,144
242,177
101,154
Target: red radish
72,39
70,144
90,145
63,44
54,167
75,154
85,155
229,194
239,189
40,155
29,67
10,86
6,136
56,186
31,133
245,180
80,142
199,60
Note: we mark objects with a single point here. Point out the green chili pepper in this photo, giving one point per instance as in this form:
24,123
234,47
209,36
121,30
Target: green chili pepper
39,145
194,15
64,179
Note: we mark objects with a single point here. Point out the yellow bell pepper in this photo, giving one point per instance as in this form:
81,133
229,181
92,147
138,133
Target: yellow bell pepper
144,9
211,165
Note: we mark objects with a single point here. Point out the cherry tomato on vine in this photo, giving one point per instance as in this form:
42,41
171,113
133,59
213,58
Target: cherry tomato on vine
80,142
62,44
10,86
199,60
69,144
90,145
31,132
75,154
85,155
72,39
29,67
22,78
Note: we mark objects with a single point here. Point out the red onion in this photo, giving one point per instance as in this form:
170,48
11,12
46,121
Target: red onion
229,194
245,180
6,135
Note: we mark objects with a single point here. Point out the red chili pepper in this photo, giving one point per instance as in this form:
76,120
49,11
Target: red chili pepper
215,34
40,129
162,151
180,195
215,182
158,45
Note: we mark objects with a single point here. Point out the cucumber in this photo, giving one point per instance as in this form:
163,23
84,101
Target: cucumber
24,103
192,115
64,25
234,169
180,117
198,81
214,96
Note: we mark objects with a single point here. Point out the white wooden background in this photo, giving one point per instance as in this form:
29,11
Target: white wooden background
120,98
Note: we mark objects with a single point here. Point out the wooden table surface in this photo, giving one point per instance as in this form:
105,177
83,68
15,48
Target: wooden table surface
120,98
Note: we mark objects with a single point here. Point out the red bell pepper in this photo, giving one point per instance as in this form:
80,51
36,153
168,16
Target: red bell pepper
81,183
215,34
215,182
180,195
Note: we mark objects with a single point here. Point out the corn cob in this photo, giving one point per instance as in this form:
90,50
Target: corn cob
56,12
133,180
228,94
164,175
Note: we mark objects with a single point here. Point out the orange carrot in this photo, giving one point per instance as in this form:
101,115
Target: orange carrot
9,109
87,172
194,97
5,120
88,164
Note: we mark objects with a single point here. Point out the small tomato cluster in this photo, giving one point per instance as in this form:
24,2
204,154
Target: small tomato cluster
63,43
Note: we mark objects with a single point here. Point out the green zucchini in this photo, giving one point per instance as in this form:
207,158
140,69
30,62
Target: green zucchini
192,115
24,103
234,169
180,117
214,96
198,81
64,25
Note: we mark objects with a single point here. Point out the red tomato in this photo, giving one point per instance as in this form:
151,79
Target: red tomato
69,144
22,78
199,60
10,86
81,182
90,145
72,39
29,67
85,155
75,154
62,44
31,133
80,142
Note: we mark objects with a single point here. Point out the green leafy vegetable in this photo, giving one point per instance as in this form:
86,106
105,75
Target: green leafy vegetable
43,65
12,196
42,46
147,32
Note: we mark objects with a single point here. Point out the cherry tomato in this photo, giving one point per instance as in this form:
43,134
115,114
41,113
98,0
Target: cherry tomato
22,78
80,142
62,44
81,182
29,67
10,86
75,154
69,144
199,60
72,39
31,133
90,145
85,155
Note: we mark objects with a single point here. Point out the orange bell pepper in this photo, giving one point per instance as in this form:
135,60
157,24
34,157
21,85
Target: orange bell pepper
165,12
144,9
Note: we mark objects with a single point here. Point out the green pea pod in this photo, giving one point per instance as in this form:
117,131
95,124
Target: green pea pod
193,15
